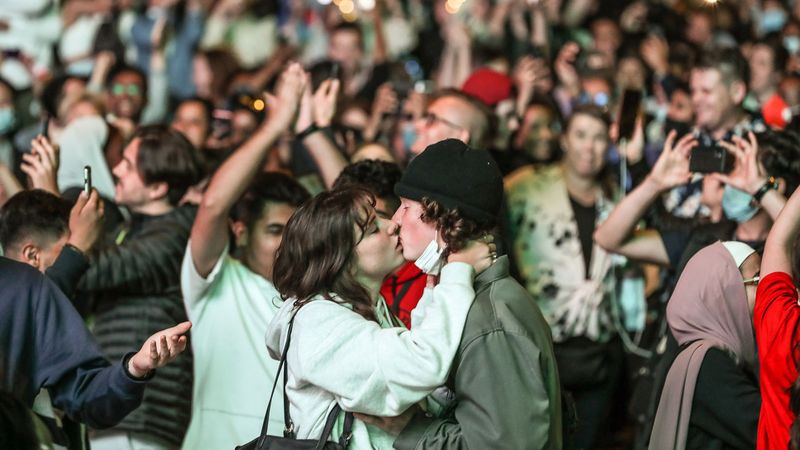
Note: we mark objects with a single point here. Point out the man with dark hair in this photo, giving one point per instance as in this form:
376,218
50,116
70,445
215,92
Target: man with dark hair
127,92
403,289
193,118
504,380
453,115
34,226
229,296
767,58
45,344
135,279
39,229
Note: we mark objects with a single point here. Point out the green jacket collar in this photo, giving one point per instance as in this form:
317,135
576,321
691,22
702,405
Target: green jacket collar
495,272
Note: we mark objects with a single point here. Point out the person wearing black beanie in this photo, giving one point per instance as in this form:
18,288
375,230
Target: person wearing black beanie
504,378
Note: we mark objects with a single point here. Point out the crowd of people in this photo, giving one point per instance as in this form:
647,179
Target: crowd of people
483,224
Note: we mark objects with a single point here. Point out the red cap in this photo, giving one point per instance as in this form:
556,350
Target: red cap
490,86
776,113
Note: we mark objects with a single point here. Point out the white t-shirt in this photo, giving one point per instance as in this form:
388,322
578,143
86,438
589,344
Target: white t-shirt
233,374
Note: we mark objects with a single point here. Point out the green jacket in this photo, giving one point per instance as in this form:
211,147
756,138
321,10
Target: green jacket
504,376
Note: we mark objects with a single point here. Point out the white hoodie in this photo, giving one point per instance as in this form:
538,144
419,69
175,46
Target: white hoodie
335,355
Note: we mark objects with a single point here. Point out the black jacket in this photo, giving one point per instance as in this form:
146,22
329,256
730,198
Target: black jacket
135,282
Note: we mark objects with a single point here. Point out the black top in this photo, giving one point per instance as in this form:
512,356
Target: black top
682,243
136,290
725,406
44,343
585,217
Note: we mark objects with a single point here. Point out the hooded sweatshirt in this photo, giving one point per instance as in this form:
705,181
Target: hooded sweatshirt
335,355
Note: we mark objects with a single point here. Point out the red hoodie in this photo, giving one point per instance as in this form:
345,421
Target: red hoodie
402,291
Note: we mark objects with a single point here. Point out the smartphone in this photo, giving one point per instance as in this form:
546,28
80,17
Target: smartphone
334,74
45,124
628,113
710,159
87,179
221,124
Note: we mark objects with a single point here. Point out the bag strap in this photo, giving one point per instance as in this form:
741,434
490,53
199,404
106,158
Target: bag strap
288,432
347,432
281,366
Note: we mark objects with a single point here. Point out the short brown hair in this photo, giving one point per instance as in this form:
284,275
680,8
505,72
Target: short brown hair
165,155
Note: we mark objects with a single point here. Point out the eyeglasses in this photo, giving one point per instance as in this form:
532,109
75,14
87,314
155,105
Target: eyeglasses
431,118
754,281
120,89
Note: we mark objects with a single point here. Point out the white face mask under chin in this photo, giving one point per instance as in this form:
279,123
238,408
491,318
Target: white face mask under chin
431,261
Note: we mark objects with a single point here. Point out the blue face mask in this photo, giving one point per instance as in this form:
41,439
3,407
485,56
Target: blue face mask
409,133
772,20
633,303
7,120
791,44
737,205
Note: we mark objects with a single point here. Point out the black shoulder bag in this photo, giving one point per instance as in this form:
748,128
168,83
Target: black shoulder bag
288,441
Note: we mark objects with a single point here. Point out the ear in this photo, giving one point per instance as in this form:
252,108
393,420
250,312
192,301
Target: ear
465,136
31,254
158,191
240,233
738,91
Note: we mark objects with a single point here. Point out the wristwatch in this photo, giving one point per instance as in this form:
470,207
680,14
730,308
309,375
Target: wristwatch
770,184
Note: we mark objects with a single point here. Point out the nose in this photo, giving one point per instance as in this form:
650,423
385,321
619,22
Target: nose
395,221
117,170
392,228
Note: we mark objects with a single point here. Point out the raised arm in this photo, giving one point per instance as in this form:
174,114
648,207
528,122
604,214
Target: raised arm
210,233
749,174
780,243
315,116
617,234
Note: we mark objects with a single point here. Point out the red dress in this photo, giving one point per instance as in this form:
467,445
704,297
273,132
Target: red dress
775,318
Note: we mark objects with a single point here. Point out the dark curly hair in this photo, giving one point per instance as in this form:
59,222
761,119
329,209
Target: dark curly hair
456,230
377,176
779,152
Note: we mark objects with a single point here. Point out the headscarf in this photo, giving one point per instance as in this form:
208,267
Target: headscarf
707,309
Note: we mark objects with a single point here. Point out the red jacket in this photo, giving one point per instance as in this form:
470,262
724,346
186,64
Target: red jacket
775,318
402,291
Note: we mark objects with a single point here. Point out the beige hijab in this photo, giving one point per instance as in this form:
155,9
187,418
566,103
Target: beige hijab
707,309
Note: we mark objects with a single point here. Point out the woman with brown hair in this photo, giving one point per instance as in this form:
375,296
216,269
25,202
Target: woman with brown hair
333,258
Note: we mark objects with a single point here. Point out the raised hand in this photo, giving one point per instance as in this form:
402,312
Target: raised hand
655,52
325,102
41,165
564,66
159,350
672,167
285,102
86,221
479,253
748,175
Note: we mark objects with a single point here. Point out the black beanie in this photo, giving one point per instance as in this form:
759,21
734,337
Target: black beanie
457,177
